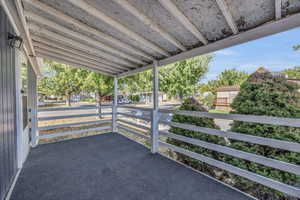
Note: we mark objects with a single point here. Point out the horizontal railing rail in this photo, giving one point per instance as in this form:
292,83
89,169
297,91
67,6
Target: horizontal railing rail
281,144
134,124
134,116
60,115
280,121
73,108
294,191
136,108
44,128
284,166
136,133
259,159
72,116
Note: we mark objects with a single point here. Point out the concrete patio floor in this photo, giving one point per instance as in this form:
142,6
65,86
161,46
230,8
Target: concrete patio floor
111,167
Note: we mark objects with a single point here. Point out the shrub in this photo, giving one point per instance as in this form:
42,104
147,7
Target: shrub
265,94
134,98
192,105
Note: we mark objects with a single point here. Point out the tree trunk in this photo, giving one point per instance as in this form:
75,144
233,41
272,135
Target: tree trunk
99,103
68,100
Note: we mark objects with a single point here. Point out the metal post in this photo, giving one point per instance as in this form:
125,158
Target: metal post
32,105
154,116
115,104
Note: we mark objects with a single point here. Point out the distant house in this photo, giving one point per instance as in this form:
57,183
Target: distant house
225,96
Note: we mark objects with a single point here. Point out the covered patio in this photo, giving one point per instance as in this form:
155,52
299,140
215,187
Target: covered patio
121,38
111,166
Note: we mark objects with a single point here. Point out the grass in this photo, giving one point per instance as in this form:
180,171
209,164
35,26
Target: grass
219,111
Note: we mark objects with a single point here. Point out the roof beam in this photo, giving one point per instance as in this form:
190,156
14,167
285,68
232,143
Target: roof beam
226,12
60,15
45,48
88,40
117,25
46,42
74,59
281,25
278,9
71,63
65,40
146,20
174,10
19,29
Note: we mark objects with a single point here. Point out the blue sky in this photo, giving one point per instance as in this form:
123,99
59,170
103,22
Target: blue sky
274,53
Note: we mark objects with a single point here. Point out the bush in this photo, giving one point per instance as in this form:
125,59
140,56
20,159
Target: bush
192,105
265,94
134,98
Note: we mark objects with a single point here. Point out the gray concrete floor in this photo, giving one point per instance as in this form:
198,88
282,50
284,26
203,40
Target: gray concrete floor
111,167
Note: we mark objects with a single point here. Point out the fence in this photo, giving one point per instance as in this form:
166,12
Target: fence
269,162
77,124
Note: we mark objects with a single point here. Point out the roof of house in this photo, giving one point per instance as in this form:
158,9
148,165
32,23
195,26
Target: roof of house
229,88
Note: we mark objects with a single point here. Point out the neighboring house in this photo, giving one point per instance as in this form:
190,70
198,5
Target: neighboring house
225,96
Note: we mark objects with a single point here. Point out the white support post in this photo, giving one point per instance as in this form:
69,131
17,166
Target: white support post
154,116
32,106
115,105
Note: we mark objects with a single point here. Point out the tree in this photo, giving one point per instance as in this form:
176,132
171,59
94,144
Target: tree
182,79
64,81
296,47
138,82
268,95
101,85
177,80
228,77
293,72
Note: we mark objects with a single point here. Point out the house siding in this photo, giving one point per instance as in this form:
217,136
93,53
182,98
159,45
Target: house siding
8,134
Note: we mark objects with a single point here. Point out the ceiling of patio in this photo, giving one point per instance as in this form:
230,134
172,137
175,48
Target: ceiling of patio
121,37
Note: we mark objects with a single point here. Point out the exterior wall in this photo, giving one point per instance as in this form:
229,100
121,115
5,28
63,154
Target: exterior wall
8,133
224,99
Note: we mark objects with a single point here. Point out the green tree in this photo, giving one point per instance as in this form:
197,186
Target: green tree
268,95
296,47
64,81
138,82
228,77
177,80
293,72
101,85
182,79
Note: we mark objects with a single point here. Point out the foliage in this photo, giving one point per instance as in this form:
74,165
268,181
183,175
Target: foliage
264,94
138,82
177,80
296,47
134,98
101,85
191,104
64,81
228,77
181,79
293,72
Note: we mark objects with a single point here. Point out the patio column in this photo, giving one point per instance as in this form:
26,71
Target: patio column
32,105
115,104
154,116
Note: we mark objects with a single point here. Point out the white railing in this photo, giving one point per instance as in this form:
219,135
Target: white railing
273,163
77,124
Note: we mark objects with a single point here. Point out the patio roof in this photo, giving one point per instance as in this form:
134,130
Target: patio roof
122,37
